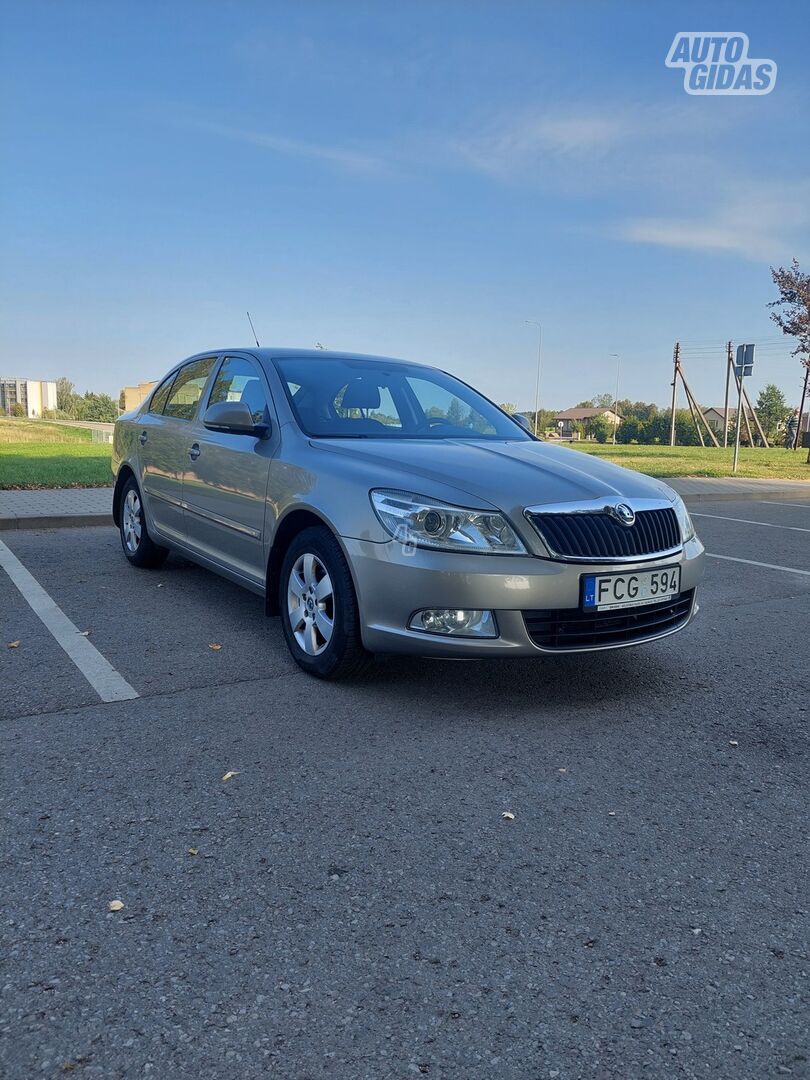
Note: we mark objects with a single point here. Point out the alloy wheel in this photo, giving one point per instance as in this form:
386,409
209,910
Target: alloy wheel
311,604
132,521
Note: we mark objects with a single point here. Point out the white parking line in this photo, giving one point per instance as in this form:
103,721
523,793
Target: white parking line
748,521
775,502
99,672
765,565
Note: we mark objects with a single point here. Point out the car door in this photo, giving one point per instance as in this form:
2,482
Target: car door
164,444
225,485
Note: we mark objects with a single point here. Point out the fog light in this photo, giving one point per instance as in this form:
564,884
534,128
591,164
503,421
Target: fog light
460,622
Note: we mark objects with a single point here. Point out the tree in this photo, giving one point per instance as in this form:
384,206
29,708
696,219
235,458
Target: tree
636,410
456,414
99,407
794,317
66,395
18,409
509,407
601,428
772,410
543,418
794,300
632,430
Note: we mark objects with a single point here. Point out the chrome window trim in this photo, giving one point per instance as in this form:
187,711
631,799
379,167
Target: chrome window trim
600,506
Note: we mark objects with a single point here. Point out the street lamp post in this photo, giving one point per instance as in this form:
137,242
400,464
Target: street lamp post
531,322
616,397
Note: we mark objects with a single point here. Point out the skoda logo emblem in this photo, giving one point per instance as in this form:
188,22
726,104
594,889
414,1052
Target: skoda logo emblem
623,513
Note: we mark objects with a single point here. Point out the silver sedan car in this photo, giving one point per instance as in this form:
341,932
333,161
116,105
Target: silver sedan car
381,506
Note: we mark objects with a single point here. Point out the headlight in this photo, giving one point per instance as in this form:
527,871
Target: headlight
412,519
685,522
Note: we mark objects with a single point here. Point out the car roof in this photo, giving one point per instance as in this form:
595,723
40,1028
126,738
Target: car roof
307,354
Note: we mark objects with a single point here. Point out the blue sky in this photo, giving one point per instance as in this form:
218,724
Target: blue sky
414,179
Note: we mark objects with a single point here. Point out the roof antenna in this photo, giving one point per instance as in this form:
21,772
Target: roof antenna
258,346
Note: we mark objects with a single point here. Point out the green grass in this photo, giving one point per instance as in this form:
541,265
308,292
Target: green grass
35,454
773,464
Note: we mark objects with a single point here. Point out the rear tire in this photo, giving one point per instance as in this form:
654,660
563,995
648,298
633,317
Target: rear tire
138,545
318,605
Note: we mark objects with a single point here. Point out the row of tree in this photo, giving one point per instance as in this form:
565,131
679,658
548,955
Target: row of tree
71,405
643,422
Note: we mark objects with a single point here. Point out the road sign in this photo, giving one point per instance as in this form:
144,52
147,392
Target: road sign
744,362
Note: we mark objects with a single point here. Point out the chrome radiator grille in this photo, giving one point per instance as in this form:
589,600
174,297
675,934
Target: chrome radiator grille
597,535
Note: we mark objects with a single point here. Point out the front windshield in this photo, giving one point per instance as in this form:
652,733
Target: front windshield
378,399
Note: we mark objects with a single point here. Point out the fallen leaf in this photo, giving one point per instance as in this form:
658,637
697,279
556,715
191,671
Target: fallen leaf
733,742
215,646
14,644
69,1066
508,815
85,633
230,774
115,905
193,851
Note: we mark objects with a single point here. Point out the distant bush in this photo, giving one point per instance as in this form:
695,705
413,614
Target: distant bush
18,409
600,428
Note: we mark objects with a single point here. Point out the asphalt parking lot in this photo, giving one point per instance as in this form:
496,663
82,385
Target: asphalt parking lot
351,902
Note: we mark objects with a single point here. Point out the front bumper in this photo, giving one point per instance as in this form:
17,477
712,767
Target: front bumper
392,585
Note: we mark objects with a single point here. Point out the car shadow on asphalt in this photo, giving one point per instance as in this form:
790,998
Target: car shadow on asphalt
609,677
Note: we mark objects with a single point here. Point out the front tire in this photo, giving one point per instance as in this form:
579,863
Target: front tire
318,605
138,545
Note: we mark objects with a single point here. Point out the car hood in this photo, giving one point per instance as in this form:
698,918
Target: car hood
508,475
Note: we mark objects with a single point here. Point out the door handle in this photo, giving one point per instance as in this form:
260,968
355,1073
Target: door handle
142,438
194,452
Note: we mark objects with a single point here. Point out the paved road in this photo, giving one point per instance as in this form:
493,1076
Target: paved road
358,907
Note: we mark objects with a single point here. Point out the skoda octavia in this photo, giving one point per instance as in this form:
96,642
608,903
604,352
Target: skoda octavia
381,506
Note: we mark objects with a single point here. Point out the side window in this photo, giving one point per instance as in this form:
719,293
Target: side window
158,402
238,380
187,389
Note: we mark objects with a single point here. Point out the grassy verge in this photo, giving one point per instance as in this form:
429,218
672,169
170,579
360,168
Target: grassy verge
39,455
35,454
773,464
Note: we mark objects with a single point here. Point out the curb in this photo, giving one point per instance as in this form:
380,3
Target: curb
55,521
748,496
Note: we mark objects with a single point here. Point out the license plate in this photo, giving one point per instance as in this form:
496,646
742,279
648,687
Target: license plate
604,592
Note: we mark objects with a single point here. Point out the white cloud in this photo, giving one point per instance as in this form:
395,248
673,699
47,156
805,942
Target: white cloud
759,221
556,141
342,157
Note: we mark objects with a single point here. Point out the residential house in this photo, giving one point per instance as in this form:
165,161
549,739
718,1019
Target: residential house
567,420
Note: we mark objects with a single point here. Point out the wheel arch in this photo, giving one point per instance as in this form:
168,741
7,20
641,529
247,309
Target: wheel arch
294,522
124,474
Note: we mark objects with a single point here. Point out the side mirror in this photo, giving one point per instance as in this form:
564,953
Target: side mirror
234,418
524,421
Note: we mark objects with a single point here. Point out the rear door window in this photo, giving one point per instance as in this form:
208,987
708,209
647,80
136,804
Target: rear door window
158,402
187,389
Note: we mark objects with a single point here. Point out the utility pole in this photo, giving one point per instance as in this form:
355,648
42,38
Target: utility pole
616,398
729,363
801,407
676,359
